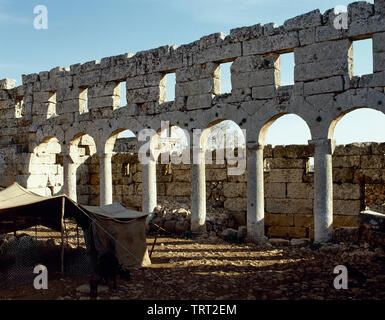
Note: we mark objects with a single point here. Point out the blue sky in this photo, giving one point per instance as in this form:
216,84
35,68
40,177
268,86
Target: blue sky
80,31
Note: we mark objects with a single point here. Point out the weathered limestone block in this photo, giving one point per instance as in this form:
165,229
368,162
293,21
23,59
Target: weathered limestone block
145,95
306,36
4,95
307,20
343,175
236,204
322,69
305,221
346,207
346,161
361,10
287,163
293,151
285,175
369,175
379,7
254,79
275,190
148,80
300,191
353,149
334,84
304,206
282,220
286,232
197,87
197,72
255,63
346,191
264,92
246,33
7,84
104,90
272,43
378,61
211,40
199,102
30,78
90,66
40,97
373,162
378,148
234,190
345,221
365,28
102,102
225,52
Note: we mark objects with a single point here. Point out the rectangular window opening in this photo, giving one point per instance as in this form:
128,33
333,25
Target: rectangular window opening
51,111
310,165
170,87
362,57
266,165
225,78
83,100
123,100
287,68
126,169
19,107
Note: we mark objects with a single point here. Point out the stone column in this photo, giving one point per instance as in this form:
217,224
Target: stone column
323,189
149,194
255,194
69,170
198,191
105,178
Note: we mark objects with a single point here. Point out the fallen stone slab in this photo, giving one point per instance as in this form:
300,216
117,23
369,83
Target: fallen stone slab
303,242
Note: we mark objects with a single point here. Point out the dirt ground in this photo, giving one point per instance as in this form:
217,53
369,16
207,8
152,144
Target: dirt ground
213,269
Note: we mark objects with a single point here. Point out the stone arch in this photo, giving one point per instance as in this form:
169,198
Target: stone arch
335,121
265,127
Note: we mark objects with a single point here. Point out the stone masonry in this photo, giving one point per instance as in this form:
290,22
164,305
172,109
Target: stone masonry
57,109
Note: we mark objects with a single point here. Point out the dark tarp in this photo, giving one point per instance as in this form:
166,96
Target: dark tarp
21,209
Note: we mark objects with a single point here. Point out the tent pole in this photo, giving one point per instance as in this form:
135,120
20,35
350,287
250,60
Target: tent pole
62,234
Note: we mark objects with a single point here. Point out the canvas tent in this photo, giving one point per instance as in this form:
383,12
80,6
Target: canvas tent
124,229
103,226
21,209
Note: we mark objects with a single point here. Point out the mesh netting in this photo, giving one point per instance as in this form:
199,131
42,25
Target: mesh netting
21,253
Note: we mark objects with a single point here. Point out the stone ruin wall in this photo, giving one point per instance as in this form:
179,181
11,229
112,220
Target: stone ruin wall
67,103
358,176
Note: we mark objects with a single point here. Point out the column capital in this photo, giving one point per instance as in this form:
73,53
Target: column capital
254,146
326,143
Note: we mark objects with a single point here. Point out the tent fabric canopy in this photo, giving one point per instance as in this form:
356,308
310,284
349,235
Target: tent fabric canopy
105,226
114,211
21,209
